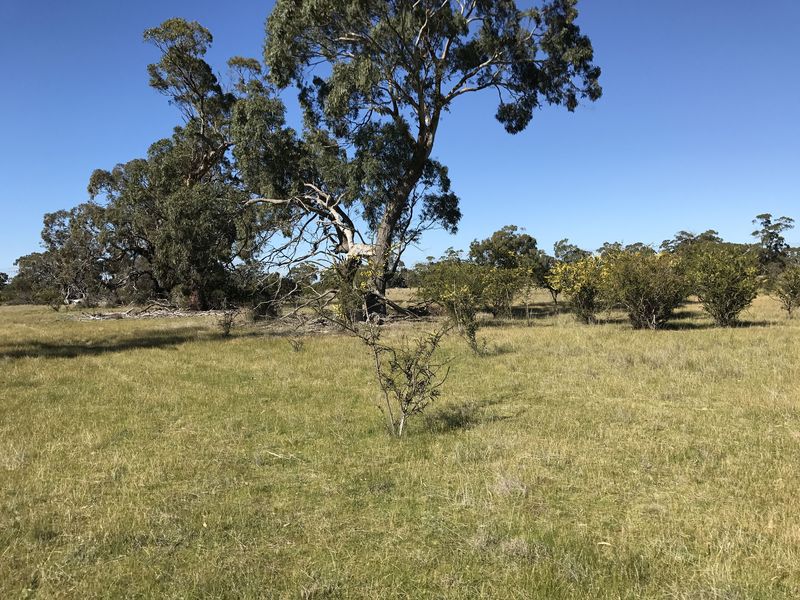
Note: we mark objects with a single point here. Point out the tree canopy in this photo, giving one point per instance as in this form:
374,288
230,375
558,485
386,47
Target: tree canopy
376,77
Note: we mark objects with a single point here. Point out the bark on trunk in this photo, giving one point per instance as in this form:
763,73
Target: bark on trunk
197,300
423,144
350,302
384,237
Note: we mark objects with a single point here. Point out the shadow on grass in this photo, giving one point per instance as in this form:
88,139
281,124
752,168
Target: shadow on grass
535,311
498,350
166,339
700,325
519,315
464,415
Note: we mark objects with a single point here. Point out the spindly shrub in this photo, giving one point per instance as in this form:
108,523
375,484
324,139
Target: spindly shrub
409,376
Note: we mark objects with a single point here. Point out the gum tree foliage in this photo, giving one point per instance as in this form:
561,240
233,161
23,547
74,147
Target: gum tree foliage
507,248
176,220
685,241
773,249
567,252
613,248
234,183
36,280
563,252
71,238
517,265
71,267
375,78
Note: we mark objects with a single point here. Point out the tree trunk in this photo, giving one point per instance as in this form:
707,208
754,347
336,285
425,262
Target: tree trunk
350,302
197,300
382,250
422,146
384,237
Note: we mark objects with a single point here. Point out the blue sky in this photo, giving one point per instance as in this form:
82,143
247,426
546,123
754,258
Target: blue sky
699,126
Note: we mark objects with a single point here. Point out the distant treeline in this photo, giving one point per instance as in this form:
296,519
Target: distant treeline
203,255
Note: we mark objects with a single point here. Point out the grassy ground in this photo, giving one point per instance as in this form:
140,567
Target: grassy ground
155,458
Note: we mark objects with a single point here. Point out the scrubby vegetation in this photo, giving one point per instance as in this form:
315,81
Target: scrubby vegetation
787,288
725,278
581,281
647,286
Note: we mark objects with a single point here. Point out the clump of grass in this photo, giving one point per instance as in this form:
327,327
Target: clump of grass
296,343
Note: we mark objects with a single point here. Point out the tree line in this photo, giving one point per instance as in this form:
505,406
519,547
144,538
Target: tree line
647,283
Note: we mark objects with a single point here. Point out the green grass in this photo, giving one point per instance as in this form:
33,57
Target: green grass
156,458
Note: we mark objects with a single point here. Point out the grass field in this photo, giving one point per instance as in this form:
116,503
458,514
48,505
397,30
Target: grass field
154,458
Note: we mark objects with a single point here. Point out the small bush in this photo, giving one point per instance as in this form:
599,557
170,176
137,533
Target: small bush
581,281
787,288
408,375
648,286
458,288
500,287
297,343
725,279
227,319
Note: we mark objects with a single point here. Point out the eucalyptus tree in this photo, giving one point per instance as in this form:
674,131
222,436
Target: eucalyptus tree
506,248
177,218
567,252
773,249
375,78
70,237
234,184
685,241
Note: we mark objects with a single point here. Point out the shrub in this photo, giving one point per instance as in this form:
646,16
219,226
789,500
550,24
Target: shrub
408,375
725,279
297,343
458,288
227,319
581,281
500,286
648,286
787,288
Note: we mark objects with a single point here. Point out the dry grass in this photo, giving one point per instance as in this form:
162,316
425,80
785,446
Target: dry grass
156,458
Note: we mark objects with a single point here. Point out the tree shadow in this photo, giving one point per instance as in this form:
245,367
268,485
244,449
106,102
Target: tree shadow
496,350
165,339
535,311
701,325
464,415
611,320
685,313
520,313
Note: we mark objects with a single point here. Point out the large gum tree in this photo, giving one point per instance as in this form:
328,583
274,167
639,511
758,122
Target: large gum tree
375,78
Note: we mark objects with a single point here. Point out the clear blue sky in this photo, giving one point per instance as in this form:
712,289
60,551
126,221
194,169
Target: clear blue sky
699,126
